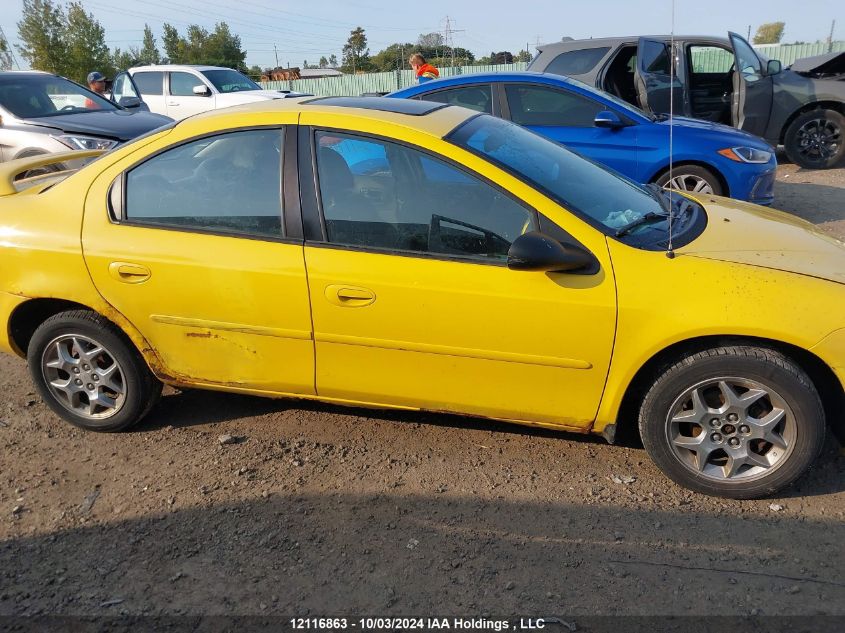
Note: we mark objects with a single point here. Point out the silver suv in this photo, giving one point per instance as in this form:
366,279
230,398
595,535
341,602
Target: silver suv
42,113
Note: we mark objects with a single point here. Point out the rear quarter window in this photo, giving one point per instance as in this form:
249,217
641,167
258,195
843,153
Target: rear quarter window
577,62
149,83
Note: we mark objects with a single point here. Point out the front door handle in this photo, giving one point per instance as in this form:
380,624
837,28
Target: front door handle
349,296
173,103
129,273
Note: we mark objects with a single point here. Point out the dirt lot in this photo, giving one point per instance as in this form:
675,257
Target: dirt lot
317,510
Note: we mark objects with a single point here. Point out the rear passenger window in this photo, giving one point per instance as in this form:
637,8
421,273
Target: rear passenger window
478,98
228,183
577,62
149,83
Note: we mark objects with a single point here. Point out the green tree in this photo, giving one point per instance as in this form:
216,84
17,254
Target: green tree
121,60
171,41
323,62
333,61
431,40
85,45
149,52
41,32
769,33
523,56
356,55
254,72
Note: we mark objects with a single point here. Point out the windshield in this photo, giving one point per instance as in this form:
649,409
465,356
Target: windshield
227,80
610,97
605,199
36,96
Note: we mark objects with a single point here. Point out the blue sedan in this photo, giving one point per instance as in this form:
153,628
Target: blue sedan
708,157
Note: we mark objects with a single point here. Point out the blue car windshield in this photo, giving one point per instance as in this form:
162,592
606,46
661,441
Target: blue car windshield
602,197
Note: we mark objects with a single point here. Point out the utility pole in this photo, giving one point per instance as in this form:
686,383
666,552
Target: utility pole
830,37
277,55
748,37
449,40
7,55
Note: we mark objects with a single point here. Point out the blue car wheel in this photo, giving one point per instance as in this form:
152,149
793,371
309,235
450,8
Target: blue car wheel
692,178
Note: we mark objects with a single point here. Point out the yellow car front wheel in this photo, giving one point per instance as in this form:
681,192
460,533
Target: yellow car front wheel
739,422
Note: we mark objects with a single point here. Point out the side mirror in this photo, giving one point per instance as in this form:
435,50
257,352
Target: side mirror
773,67
133,103
608,119
538,252
202,91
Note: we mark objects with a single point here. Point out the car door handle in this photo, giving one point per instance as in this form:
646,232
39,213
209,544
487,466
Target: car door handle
175,103
349,296
129,273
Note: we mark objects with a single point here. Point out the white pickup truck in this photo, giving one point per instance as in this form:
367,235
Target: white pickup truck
181,91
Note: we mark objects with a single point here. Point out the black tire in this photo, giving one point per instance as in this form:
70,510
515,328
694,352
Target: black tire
816,139
772,372
140,389
693,172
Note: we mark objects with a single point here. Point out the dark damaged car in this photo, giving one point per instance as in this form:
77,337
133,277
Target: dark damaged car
42,113
801,107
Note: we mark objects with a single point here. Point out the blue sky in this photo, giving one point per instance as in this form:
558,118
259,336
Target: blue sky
306,30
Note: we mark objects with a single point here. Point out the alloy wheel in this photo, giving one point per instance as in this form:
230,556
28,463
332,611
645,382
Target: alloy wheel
819,139
731,429
689,182
83,376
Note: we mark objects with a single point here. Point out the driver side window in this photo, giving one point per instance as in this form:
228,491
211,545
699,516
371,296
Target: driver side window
389,196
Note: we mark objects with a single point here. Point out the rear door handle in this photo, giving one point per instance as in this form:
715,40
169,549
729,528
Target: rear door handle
349,296
129,273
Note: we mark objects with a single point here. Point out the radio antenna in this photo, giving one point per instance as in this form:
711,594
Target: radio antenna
669,252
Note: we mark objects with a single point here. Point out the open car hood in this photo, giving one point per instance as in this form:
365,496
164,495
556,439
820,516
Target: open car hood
827,64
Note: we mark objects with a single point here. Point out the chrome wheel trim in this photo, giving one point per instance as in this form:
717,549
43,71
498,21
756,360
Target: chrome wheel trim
83,376
689,182
731,429
819,139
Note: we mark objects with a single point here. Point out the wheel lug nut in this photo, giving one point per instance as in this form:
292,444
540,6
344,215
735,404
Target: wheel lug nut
89,386
732,417
716,437
77,381
733,441
744,429
715,422
86,367
96,377
76,370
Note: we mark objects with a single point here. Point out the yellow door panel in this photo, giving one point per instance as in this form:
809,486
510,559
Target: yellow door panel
229,308
457,336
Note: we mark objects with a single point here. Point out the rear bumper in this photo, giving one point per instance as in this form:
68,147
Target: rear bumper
8,304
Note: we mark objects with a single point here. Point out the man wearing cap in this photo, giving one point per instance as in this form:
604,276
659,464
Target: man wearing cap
96,83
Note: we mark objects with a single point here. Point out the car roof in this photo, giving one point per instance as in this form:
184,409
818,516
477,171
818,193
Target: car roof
176,67
437,121
599,42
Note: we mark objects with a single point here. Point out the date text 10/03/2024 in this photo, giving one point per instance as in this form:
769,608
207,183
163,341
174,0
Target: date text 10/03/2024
420,624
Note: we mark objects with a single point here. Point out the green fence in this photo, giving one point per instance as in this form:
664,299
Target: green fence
704,59
354,85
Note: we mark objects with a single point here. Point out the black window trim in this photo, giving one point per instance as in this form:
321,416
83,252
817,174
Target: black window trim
116,195
308,176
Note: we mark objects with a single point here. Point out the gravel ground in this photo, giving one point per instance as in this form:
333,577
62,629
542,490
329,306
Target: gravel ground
313,509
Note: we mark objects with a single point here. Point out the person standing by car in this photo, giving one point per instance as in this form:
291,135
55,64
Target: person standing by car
424,71
96,83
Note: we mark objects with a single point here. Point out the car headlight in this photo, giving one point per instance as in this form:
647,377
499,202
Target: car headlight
746,154
76,141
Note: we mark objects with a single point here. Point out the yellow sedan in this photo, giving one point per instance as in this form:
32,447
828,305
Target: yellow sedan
414,255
